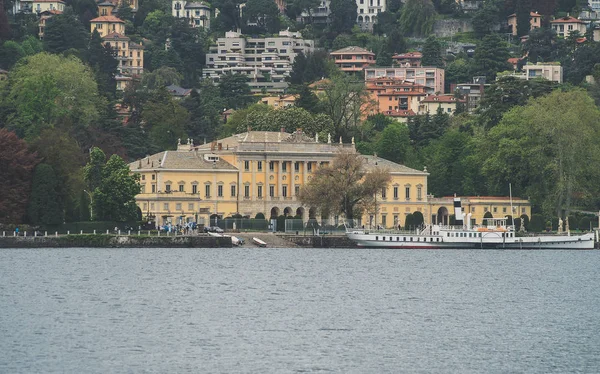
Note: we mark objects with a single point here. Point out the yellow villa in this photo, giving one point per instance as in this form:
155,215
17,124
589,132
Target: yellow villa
40,6
263,172
107,25
259,172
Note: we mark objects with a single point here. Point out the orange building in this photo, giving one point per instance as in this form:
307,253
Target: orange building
353,59
395,97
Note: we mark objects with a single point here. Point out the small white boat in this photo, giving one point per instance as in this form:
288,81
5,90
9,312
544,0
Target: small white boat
235,240
216,235
259,242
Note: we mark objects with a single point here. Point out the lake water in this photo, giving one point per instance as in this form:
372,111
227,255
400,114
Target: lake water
299,310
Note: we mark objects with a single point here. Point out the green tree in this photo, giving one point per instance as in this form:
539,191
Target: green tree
447,160
343,16
114,198
61,152
104,65
491,56
485,19
161,77
46,90
307,100
432,53
393,143
309,68
345,100
16,166
205,112
548,150
229,15
188,43
457,71
345,187
418,218
508,92
64,32
263,13
45,206
235,90
417,17
523,10
165,120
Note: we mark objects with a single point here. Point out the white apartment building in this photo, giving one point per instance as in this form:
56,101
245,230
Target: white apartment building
197,13
367,12
266,61
551,71
594,5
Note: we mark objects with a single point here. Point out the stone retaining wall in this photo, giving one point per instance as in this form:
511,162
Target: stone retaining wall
103,241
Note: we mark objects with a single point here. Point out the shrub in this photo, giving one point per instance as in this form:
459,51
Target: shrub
409,221
487,214
418,218
259,216
537,223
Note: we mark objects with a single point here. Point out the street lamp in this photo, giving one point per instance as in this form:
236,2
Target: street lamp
91,203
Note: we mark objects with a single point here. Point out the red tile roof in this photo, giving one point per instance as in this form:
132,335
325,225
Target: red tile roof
567,19
111,19
408,55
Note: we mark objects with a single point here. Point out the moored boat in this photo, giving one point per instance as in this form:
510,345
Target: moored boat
259,242
495,234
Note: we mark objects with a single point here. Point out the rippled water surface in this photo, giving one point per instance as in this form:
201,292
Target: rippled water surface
299,310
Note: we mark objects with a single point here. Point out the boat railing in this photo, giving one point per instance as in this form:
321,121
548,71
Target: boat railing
367,230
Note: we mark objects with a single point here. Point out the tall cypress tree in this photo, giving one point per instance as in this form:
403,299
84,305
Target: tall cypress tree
45,204
523,10
100,58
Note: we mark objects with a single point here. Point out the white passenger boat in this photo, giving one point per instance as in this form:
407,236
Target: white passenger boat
496,234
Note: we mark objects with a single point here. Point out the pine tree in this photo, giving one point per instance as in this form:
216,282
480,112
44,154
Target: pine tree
432,53
64,32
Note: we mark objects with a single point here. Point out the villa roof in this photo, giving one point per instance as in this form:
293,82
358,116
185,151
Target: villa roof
115,36
567,19
133,45
531,14
178,91
111,19
106,3
183,159
353,50
374,162
261,137
194,5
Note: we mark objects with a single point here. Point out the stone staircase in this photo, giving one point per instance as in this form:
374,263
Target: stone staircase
272,240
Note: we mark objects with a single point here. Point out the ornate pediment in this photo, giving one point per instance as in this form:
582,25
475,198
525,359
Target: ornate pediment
298,137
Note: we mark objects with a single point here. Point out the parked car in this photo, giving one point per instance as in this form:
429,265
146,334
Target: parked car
216,229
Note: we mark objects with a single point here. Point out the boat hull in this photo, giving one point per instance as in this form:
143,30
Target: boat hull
404,241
